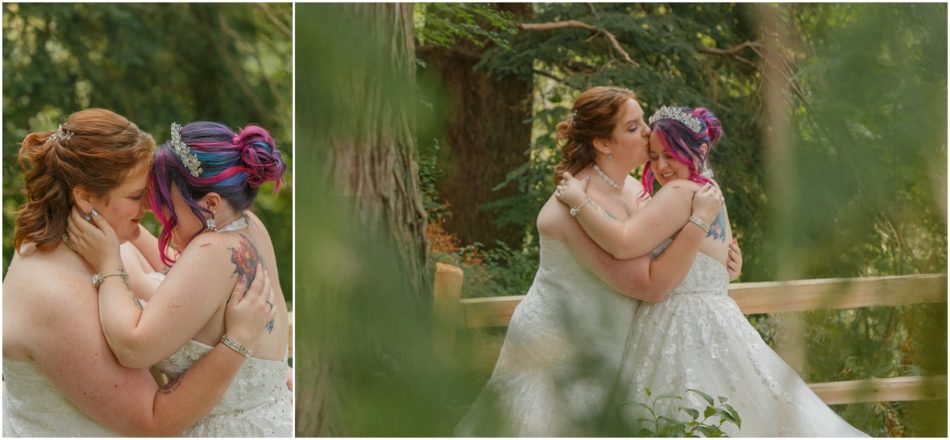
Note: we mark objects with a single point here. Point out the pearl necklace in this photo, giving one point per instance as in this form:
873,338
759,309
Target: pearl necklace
607,179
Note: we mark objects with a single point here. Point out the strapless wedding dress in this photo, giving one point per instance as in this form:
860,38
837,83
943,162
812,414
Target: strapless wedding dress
34,407
257,404
697,338
561,356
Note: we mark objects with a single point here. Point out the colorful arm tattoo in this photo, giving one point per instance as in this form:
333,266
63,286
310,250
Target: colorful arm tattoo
718,228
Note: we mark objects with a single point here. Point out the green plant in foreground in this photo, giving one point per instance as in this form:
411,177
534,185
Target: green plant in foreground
657,425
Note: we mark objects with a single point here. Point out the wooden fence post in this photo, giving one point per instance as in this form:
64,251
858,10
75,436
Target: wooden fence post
446,296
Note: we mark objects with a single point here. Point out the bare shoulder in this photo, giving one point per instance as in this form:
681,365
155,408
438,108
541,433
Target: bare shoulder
682,185
257,225
253,219
48,276
678,188
51,294
633,184
217,242
553,219
233,251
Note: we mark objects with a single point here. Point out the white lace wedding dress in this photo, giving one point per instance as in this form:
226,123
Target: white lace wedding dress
560,358
34,407
257,404
698,338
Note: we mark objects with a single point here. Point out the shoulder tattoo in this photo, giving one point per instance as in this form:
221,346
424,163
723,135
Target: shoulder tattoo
245,258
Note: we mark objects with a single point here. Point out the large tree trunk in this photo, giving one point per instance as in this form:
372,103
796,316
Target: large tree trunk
374,161
487,137
355,85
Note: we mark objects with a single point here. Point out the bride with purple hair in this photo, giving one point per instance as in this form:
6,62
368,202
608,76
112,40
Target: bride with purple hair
202,185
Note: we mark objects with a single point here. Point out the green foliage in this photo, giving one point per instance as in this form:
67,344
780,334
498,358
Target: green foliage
870,145
868,159
155,64
665,422
442,24
494,271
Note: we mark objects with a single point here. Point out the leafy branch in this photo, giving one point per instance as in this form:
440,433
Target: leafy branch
555,25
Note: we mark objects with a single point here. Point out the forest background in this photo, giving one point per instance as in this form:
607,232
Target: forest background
154,64
434,127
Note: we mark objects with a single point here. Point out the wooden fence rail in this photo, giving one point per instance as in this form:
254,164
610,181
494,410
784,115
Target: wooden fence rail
753,298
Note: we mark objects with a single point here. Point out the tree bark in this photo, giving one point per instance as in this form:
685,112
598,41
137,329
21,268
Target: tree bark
374,160
487,137
355,103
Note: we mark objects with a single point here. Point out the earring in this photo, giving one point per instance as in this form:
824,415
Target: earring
210,225
610,155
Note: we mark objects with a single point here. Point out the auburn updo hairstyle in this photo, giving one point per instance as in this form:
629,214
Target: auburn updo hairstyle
94,149
593,115
234,165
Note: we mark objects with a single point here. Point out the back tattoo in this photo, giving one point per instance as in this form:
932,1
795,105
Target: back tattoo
245,258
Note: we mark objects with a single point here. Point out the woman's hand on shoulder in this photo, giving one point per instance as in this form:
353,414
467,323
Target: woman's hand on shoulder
94,240
250,310
571,191
707,202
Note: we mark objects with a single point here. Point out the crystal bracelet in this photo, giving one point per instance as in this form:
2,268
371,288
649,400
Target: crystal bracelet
575,211
98,278
698,222
236,346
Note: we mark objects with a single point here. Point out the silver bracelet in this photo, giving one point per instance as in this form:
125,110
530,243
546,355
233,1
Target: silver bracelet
98,278
698,222
575,211
236,346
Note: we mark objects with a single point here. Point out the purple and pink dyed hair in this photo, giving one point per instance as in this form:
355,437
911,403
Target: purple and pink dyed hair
233,165
684,144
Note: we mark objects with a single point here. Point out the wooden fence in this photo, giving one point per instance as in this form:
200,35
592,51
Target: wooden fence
752,298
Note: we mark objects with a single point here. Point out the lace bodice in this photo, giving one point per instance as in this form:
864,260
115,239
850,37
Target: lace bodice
257,404
34,407
707,276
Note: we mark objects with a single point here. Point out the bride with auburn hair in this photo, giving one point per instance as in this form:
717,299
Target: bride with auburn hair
60,378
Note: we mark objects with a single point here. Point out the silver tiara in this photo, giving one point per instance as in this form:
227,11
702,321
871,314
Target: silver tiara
60,134
184,153
667,112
